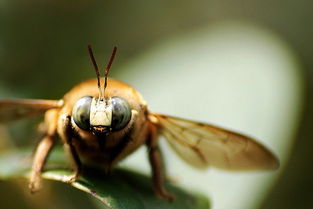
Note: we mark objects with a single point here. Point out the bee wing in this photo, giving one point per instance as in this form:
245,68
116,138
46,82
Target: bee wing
202,145
12,109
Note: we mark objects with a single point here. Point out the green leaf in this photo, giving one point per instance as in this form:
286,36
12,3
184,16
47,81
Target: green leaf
122,188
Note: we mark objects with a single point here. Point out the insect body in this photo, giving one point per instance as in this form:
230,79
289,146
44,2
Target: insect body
104,125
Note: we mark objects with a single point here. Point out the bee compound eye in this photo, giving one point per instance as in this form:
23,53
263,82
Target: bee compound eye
81,112
121,114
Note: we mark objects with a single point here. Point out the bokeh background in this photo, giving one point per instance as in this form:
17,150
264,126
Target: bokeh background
240,64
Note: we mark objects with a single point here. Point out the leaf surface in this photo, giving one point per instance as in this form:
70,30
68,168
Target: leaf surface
122,189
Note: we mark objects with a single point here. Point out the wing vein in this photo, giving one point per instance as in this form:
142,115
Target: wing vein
178,138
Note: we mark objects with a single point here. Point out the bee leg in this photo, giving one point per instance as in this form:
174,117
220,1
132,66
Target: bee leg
67,135
156,163
42,151
39,161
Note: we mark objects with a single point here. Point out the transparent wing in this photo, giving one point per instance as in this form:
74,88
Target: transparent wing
12,109
202,145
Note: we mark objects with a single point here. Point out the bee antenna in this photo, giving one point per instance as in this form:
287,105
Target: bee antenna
107,69
92,57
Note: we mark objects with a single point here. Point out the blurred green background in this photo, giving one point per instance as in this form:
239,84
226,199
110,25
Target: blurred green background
43,54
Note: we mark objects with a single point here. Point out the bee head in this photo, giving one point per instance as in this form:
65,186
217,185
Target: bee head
101,115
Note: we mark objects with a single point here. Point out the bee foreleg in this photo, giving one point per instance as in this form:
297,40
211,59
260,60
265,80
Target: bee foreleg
67,135
43,149
156,163
40,158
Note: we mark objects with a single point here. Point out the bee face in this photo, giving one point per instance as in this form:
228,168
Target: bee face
101,116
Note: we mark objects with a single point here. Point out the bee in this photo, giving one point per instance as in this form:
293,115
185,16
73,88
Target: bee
104,122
